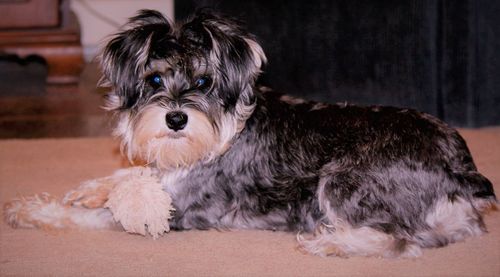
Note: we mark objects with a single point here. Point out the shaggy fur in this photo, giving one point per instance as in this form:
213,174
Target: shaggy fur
349,180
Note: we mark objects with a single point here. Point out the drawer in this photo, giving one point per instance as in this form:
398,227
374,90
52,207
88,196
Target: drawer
19,14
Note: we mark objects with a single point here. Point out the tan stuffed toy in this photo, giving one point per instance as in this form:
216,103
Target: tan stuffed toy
139,203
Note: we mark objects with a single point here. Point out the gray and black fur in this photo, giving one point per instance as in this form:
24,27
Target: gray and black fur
350,180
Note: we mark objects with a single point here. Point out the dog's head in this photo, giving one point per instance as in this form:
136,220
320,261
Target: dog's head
182,92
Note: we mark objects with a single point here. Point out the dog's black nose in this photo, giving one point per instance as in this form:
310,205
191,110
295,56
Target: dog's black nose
176,120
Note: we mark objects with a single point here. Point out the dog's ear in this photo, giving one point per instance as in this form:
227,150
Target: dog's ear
126,54
226,37
234,54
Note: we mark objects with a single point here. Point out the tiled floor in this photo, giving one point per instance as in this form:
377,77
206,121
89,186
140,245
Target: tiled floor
65,111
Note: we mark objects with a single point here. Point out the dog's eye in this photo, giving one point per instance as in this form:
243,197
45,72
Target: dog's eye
203,83
155,81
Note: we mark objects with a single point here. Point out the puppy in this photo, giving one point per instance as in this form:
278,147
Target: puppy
349,180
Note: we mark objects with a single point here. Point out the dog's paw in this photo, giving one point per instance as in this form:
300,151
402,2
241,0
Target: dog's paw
90,194
38,211
140,205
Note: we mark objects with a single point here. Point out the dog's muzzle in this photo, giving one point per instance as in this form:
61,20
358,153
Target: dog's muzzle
176,120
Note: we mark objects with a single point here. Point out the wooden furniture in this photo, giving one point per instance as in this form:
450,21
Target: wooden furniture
46,28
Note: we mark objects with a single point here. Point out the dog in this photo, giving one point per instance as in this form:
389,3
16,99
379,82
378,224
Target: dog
348,180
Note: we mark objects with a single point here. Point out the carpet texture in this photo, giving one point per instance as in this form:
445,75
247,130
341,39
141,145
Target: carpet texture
57,165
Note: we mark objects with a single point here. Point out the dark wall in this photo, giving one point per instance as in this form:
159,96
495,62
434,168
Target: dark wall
438,56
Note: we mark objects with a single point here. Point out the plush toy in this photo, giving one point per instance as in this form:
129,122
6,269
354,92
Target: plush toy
140,204
132,198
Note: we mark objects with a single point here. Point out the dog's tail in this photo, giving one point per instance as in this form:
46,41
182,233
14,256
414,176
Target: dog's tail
479,188
44,211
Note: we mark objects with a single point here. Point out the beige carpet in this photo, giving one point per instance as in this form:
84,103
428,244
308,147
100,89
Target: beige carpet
55,166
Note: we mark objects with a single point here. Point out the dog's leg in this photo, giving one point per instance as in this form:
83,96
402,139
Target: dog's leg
343,240
451,221
134,196
94,193
336,236
80,208
46,212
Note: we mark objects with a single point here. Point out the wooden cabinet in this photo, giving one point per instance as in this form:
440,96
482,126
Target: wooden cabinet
46,28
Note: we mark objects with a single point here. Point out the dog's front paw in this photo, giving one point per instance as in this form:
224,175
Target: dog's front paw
90,194
37,211
140,205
